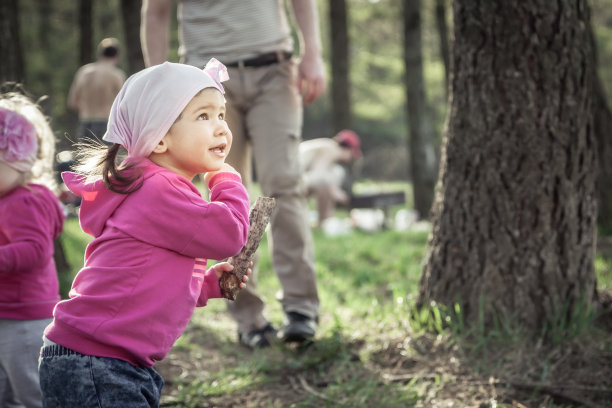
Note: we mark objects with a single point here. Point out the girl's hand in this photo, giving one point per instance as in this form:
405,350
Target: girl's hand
226,267
225,168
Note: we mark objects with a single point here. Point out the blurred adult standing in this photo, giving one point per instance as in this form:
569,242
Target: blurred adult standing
268,86
94,88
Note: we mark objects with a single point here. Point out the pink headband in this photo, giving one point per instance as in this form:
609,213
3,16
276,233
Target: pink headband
18,140
152,99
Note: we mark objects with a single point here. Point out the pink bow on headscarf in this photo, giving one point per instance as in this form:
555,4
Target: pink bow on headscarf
18,140
151,100
218,72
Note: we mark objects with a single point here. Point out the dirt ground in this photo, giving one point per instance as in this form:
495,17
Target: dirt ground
578,374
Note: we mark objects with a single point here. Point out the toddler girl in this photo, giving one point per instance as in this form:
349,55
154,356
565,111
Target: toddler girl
30,219
145,271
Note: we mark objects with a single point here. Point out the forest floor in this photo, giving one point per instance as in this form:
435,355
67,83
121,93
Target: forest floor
421,371
373,349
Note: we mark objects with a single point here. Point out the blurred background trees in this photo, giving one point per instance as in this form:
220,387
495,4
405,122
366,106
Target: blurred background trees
58,36
55,36
368,46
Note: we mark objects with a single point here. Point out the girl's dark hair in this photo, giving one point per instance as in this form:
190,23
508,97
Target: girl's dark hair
96,160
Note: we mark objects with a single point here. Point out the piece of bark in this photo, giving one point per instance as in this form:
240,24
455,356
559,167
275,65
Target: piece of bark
259,217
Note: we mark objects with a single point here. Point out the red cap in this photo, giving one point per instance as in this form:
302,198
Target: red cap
350,139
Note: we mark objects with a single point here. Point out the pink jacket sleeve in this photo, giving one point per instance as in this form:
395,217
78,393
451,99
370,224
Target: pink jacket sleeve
210,289
30,232
169,213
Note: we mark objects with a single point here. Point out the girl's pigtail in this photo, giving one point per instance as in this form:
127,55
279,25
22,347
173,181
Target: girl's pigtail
95,161
123,179
110,172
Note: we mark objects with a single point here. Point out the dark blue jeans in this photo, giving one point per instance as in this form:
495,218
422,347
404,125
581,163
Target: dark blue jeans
71,379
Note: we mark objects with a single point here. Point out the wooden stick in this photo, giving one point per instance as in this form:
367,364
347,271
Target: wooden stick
259,217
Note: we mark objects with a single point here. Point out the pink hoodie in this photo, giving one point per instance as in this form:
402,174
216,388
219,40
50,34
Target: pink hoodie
145,271
30,219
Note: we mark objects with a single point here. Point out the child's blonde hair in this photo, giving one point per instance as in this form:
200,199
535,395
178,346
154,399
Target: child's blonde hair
42,171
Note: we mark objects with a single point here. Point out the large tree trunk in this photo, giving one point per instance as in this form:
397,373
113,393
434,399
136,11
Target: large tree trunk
422,134
515,209
11,54
130,11
341,103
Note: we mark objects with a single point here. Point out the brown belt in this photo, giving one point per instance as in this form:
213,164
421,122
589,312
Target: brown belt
262,60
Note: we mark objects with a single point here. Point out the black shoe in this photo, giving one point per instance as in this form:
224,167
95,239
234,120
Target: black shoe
298,328
259,338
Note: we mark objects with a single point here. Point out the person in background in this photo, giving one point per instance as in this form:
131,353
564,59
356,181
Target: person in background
323,162
94,88
145,270
270,83
31,218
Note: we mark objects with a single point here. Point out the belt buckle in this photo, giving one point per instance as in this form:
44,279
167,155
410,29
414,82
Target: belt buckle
280,56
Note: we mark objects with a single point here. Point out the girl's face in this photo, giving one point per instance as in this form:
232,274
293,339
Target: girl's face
200,140
9,178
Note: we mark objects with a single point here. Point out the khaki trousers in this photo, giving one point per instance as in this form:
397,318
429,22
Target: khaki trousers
264,113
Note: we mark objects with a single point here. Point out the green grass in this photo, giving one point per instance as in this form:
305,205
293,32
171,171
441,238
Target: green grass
74,241
603,269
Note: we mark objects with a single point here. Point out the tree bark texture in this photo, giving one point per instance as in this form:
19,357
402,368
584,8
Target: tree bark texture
130,12
515,209
421,130
259,217
340,84
11,55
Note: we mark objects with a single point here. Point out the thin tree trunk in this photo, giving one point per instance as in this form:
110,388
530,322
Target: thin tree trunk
340,85
130,12
45,10
422,134
442,26
11,54
61,262
44,14
602,127
514,214
86,32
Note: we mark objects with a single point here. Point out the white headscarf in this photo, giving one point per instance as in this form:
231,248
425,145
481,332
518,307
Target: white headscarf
151,100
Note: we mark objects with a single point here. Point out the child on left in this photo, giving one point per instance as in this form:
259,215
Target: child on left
31,217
